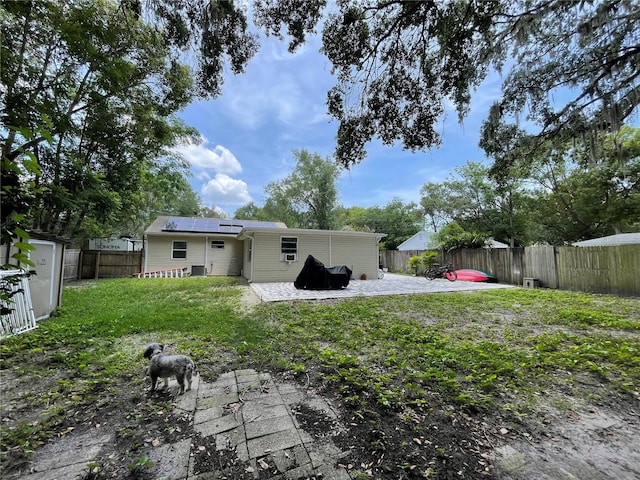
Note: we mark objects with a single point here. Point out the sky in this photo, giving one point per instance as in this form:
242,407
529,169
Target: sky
278,106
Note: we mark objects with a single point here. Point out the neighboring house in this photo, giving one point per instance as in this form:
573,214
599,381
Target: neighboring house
425,241
420,241
122,244
491,243
258,251
611,240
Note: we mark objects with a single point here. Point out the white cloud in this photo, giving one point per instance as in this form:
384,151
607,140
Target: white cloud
278,87
203,158
224,190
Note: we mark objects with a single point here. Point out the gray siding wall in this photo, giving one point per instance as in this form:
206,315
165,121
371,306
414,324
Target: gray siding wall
360,254
158,252
226,261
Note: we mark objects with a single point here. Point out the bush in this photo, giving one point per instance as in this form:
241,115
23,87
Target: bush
422,262
453,236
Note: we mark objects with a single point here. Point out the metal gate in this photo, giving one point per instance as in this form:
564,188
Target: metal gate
21,318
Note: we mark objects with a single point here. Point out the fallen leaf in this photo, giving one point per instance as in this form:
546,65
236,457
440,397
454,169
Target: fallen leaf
65,431
264,465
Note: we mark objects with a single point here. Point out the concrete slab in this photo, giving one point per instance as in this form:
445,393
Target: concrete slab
391,284
66,472
219,425
258,447
171,460
243,412
68,457
260,428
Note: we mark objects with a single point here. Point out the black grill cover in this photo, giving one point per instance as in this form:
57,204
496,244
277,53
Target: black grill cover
315,276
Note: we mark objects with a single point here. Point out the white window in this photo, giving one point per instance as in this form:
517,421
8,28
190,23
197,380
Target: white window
288,249
217,244
179,249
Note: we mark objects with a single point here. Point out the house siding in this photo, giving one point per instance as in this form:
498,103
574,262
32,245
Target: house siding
357,250
359,254
267,266
158,252
225,261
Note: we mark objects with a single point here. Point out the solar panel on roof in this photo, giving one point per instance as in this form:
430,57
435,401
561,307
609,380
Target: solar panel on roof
212,225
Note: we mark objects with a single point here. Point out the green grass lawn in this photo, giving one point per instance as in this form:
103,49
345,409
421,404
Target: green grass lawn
489,351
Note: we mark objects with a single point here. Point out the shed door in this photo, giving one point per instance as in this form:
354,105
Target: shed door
41,284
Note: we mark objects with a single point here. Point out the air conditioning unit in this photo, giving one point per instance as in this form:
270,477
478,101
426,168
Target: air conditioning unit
290,257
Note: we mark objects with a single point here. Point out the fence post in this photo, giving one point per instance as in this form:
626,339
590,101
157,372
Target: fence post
97,266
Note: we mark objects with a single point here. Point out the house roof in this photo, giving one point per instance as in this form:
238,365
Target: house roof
418,241
422,239
249,231
611,240
491,243
167,224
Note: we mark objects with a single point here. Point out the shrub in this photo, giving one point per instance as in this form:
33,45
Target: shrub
453,236
423,261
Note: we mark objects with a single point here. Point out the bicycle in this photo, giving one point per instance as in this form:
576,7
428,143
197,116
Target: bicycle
441,271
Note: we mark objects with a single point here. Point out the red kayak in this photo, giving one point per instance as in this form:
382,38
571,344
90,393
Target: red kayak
470,275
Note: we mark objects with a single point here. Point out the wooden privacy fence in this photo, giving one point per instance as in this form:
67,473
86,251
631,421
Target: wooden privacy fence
71,264
103,264
587,269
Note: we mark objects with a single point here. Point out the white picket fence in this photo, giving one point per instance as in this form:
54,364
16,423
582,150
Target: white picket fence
22,317
177,272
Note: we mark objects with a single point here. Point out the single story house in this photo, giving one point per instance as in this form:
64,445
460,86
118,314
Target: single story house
257,251
420,241
611,240
491,243
426,240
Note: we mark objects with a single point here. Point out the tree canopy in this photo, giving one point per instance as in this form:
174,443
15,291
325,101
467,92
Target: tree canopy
397,219
89,94
561,194
306,198
89,89
572,65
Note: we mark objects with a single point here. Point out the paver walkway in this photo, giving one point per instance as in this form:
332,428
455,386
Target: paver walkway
391,284
243,415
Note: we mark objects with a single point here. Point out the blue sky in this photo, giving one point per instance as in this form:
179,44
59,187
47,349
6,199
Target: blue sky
278,106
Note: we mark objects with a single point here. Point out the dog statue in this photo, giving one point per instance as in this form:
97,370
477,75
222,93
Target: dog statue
165,366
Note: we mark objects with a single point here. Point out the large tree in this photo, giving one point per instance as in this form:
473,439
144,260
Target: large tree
579,197
308,197
89,90
477,203
575,75
398,220
572,64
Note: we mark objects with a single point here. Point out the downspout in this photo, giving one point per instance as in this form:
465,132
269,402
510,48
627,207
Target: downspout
253,255
145,246
206,256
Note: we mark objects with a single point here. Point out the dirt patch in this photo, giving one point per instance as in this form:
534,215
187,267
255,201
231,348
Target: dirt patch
598,443
437,441
128,417
249,297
